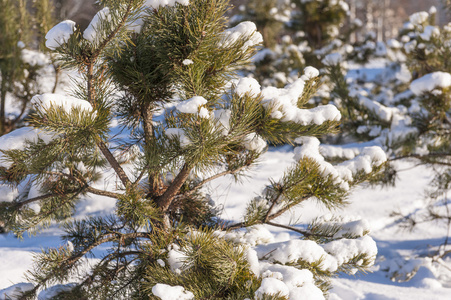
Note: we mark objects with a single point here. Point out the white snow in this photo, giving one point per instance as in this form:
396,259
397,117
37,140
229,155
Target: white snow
59,34
244,29
429,32
176,259
344,250
45,101
91,32
293,250
13,292
252,259
247,85
222,116
283,102
310,73
343,173
35,58
429,82
272,286
419,18
254,142
191,106
157,3
15,140
300,282
51,292
392,43
167,292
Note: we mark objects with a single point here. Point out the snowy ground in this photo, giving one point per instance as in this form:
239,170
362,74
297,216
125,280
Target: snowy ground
432,281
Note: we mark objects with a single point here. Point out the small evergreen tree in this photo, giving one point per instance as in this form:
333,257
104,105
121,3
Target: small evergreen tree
428,50
319,20
164,238
268,15
312,30
413,121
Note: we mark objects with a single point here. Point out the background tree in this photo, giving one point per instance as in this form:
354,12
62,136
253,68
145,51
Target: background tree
18,68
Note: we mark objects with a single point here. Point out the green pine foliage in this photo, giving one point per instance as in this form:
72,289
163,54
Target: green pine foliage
164,230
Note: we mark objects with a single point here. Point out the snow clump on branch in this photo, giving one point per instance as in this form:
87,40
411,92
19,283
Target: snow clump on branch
191,106
343,173
419,18
284,101
91,32
45,101
244,29
157,3
429,82
167,292
59,34
247,85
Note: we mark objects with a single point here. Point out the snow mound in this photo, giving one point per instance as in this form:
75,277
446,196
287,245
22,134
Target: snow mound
343,173
310,73
254,142
272,286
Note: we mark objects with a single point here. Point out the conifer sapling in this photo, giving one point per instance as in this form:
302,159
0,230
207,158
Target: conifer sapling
167,71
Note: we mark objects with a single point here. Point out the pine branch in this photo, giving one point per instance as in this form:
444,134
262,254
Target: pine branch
166,199
216,176
114,164
274,202
426,158
71,261
92,190
303,232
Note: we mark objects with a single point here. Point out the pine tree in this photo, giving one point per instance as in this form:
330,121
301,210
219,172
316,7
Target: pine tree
164,237
427,50
268,15
412,121
319,20
312,30
11,67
